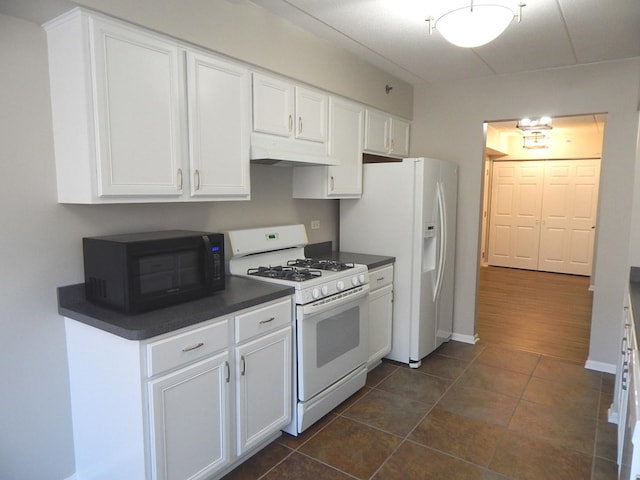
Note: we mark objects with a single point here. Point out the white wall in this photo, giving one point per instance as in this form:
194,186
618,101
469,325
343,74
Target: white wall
448,124
40,249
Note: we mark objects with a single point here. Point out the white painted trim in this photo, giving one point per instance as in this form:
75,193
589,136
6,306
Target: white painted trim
600,366
612,416
458,337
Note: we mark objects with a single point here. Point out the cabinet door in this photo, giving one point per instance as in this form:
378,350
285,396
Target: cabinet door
264,376
139,99
380,323
272,106
218,101
399,135
376,132
347,124
189,420
311,115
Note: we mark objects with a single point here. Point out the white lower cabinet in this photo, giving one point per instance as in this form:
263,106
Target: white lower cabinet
380,313
189,420
190,404
264,388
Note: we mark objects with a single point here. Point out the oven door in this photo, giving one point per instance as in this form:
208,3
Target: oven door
332,340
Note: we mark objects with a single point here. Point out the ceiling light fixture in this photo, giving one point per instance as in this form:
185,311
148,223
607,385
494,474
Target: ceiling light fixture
527,124
475,25
535,140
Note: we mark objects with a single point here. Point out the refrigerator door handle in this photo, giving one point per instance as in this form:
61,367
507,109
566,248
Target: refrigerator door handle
442,238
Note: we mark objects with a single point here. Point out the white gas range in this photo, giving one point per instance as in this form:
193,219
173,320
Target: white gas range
331,321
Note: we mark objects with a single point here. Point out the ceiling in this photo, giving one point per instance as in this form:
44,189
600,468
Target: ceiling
393,35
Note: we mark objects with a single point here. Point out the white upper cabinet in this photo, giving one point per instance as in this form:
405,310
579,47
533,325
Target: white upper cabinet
138,99
346,127
219,119
119,105
289,118
385,134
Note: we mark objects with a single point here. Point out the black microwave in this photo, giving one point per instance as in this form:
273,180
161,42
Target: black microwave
142,271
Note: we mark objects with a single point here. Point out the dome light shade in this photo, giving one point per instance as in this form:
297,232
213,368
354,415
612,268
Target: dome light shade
476,25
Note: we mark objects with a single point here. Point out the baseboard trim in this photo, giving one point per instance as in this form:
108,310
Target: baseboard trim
600,366
458,337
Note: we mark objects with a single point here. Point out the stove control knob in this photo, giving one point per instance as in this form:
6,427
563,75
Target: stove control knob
361,278
325,290
315,293
355,281
340,285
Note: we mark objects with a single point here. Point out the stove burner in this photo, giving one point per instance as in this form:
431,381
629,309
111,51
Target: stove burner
285,273
329,265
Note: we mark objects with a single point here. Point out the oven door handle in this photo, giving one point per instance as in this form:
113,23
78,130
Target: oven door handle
346,299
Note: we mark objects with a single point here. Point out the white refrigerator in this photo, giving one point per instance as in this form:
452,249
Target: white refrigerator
408,211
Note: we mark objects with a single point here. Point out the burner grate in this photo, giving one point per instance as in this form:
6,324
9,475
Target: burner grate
328,265
285,273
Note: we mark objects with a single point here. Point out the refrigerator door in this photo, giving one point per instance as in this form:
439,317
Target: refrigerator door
382,223
425,266
444,302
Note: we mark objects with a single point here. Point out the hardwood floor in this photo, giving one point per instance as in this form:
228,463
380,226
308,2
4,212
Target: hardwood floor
539,312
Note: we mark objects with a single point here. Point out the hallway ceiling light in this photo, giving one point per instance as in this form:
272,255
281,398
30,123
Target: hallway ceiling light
475,25
535,140
542,123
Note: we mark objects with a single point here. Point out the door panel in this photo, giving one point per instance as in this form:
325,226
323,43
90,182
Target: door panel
569,216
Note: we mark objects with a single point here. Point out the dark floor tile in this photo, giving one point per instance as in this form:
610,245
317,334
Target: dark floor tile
568,374
379,373
459,350
604,470
351,447
515,360
294,442
607,441
606,399
462,437
388,411
608,383
526,458
479,404
575,399
415,385
352,399
415,462
555,425
299,467
260,463
494,379
441,366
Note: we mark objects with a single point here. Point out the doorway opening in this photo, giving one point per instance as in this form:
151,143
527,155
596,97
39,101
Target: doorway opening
539,235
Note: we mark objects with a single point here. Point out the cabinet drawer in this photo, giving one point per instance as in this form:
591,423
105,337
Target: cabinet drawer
381,277
186,347
263,320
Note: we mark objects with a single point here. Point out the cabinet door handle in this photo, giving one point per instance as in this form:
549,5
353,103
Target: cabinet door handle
290,123
192,347
268,320
196,179
243,368
333,183
179,179
299,124
623,343
228,369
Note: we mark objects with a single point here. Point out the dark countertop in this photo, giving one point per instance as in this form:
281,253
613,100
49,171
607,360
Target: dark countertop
634,293
240,293
323,251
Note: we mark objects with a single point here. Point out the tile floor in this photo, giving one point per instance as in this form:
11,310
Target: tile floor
469,412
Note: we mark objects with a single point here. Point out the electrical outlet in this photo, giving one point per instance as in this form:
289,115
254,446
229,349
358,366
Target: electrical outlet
315,224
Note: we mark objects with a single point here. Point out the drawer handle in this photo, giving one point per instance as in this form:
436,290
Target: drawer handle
379,279
268,320
193,347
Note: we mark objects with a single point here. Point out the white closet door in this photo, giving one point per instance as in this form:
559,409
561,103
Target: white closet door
569,206
516,203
